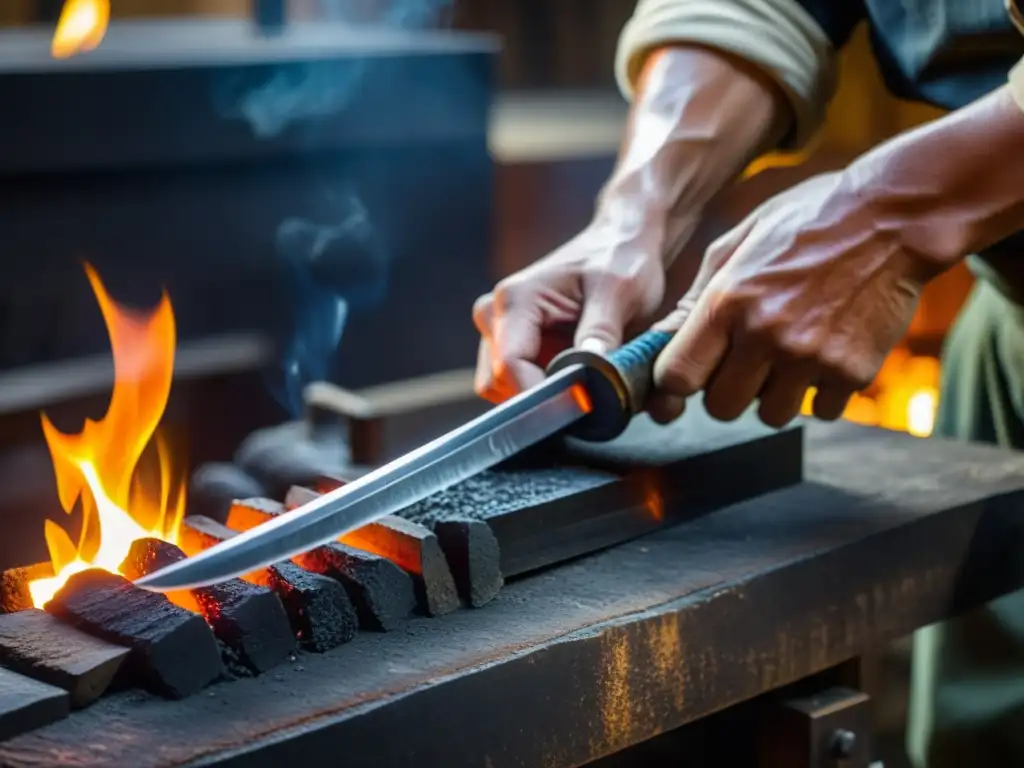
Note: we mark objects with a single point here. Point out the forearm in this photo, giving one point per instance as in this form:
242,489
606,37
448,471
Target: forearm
954,186
698,117
713,83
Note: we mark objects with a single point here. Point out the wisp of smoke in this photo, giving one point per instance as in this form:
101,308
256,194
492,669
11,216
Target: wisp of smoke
338,267
333,269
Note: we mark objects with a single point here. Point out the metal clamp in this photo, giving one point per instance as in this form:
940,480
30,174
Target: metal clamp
829,729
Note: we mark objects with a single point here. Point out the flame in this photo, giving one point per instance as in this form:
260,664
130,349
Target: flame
904,396
81,27
921,412
105,464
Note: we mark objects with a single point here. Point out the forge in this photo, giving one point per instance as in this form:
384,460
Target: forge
203,157
576,606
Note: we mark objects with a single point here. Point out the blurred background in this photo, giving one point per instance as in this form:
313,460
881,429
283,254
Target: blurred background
323,205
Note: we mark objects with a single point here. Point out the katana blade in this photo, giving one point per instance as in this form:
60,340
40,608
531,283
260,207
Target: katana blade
558,402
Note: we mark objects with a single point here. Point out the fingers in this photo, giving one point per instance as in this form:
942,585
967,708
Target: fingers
782,396
610,304
510,342
831,399
698,347
736,382
664,408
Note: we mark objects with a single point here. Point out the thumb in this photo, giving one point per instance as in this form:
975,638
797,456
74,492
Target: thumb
608,305
701,330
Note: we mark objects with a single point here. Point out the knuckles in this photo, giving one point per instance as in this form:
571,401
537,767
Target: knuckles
483,310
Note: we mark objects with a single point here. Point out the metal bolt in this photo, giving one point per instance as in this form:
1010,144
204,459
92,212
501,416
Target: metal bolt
843,743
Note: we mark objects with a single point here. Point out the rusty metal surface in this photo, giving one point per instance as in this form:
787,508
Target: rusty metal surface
577,662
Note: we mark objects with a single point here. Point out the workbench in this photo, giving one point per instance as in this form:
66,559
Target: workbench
888,534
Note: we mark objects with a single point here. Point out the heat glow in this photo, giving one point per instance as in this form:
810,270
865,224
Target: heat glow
81,27
118,468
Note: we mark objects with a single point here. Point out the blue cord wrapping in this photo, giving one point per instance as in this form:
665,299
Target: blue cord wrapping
641,352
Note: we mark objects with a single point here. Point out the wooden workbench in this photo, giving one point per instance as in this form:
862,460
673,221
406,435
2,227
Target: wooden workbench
889,533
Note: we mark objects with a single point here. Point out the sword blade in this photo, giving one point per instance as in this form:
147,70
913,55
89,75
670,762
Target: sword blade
487,440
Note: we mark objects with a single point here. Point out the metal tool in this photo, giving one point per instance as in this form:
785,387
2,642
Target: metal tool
590,396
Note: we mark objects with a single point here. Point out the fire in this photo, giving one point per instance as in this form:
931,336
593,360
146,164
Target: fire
903,397
81,27
105,465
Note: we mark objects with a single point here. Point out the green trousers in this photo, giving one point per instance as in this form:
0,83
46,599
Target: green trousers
967,691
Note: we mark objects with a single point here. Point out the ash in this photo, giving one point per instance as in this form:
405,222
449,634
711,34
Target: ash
499,491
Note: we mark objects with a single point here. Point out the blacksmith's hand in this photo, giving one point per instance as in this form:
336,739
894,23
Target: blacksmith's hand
696,120
601,281
817,285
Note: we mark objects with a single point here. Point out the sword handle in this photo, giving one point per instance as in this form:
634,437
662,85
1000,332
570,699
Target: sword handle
617,383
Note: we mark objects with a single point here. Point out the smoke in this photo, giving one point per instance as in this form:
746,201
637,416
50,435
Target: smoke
333,269
296,92
337,265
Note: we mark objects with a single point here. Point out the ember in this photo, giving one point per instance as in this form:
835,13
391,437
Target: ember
105,465
81,27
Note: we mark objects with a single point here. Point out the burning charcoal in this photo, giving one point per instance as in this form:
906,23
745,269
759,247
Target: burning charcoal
474,557
320,610
248,513
330,481
410,546
417,551
27,704
298,496
321,614
214,486
470,550
288,454
382,592
14,594
173,652
248,619
43,647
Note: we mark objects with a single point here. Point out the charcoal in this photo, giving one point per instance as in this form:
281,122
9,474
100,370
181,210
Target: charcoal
299,495
410,546
14,594
381,592
474,557
173,653
215,485
416,551
27,704
248,619
289,454
41,646
248,513
318,607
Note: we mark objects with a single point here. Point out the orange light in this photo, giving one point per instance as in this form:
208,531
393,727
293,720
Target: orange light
921,412
581,397
903,397
105,465
81,27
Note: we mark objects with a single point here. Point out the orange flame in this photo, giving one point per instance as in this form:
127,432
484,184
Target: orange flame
81,27
105,464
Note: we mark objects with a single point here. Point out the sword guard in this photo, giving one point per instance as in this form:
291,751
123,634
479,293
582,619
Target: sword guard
617,383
